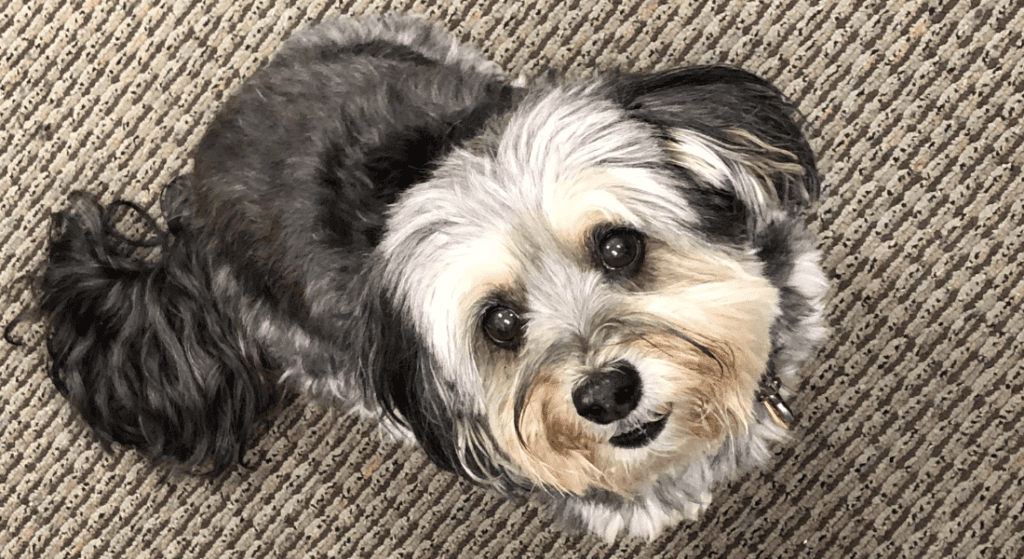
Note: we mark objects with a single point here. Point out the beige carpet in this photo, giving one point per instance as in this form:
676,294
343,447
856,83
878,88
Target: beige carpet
910,439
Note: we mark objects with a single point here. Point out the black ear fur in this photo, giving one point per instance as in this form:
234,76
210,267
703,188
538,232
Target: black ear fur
145,352
404,379
748,121
396,368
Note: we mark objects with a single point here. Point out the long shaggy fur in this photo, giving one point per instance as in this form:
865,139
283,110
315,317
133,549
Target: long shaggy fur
145,352
379,217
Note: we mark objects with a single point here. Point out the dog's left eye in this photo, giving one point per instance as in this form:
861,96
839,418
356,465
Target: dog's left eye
621,250
503,326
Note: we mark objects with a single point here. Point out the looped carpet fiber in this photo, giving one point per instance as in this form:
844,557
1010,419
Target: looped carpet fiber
909,441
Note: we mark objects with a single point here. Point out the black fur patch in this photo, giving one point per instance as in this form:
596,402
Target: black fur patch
713,100
399,381
146,353
406,383
363,184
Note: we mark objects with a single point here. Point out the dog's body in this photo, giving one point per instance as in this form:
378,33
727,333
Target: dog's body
581,292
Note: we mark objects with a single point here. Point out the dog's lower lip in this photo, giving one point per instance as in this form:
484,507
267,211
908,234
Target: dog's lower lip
641,435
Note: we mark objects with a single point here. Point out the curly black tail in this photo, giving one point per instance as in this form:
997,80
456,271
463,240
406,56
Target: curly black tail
146,352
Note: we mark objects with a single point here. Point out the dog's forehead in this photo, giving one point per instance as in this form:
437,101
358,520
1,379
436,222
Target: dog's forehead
517,218
564,161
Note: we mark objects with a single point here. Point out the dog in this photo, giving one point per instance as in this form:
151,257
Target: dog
597,294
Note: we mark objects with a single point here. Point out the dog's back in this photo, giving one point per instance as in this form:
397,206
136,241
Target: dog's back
182,357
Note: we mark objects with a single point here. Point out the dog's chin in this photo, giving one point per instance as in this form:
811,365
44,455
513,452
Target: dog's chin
643,450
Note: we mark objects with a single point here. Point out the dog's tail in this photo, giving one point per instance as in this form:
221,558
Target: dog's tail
145,349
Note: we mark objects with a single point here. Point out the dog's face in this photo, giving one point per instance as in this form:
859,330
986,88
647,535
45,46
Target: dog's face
583,321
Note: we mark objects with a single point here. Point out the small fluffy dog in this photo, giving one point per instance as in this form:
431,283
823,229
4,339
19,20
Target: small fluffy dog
593,293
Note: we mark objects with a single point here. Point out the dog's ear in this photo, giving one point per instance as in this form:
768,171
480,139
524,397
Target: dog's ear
399,373
731,131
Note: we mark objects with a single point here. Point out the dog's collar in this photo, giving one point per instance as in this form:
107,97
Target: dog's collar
768,394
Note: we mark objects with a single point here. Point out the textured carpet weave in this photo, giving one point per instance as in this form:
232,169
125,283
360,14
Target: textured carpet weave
910,435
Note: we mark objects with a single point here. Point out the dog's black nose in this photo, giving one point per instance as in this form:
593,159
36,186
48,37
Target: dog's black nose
608,396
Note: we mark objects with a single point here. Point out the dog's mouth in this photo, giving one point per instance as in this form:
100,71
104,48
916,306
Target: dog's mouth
642,435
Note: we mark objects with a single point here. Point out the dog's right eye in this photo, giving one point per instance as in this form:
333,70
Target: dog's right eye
503,326
620,251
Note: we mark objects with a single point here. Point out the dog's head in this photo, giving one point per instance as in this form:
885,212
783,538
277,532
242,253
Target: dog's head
586,296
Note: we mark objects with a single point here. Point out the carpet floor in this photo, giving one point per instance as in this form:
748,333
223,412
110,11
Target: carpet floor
909,439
